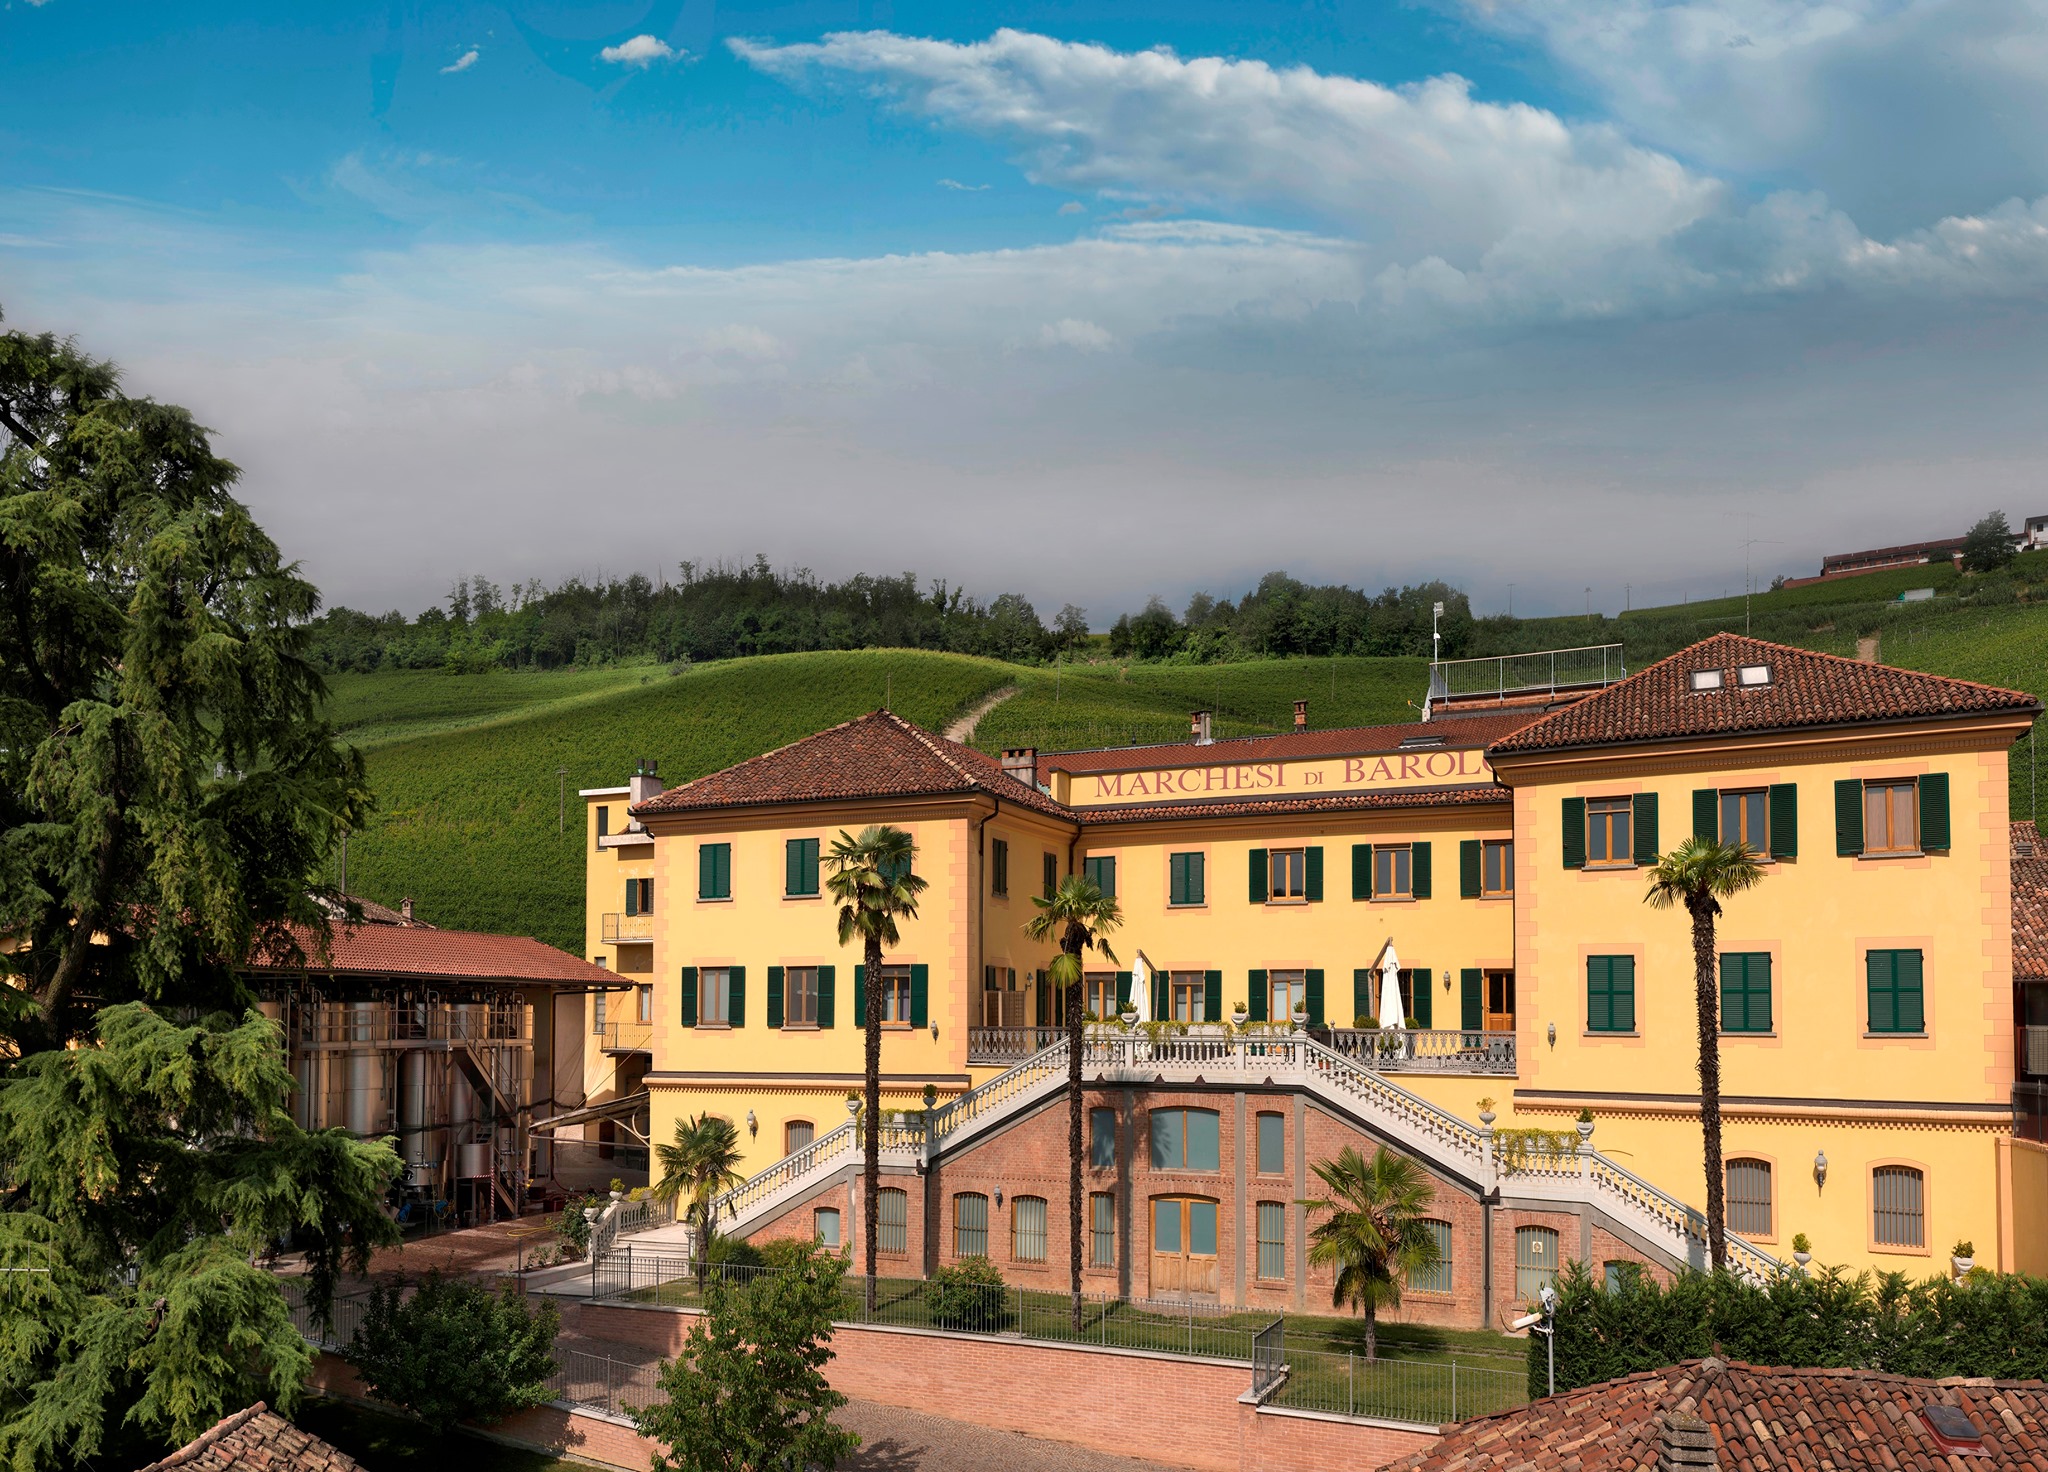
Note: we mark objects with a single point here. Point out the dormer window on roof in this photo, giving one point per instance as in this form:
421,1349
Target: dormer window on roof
1752,675
1409,743
1707,679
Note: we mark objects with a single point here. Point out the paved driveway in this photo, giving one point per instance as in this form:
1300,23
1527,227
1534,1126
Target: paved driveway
896,1440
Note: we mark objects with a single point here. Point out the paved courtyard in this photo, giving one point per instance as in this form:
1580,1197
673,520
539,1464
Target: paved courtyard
896,1440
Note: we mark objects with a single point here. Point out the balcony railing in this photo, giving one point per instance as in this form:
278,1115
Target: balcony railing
627,927
1392,1050
2035,1051
628,1037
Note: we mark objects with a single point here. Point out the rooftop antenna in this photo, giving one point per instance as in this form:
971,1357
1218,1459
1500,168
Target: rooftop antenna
1511,600
1436,639
1749,543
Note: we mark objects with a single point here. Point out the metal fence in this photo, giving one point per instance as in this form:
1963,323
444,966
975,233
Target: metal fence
1429,1392
599,1383
339,1331
1269,1356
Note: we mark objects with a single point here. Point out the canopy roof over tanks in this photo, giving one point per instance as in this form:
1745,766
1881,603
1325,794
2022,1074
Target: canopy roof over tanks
390,944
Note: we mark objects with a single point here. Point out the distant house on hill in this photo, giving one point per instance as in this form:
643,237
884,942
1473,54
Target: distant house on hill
1880,559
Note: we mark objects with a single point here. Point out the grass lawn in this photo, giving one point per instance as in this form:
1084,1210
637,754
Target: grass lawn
393,1444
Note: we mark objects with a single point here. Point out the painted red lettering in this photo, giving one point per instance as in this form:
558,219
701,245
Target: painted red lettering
1450,760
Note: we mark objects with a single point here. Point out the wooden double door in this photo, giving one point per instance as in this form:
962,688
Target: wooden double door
1183,1245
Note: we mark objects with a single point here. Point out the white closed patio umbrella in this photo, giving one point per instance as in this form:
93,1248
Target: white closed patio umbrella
1391,1010
1141,986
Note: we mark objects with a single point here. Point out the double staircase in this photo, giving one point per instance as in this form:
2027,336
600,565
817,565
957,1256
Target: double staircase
1575,1179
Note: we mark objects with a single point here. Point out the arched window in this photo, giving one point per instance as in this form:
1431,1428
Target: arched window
796,1134
1898,1196
826,1222
1749,1197
970,1225
1027,1229
892,1221
1535,1261
1438,1278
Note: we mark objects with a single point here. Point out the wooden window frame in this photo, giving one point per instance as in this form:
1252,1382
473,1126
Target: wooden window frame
643,1004
1744,797
1291,977
1279,860
1390,885
1182,1167
1901,1249
1099,986
895,982
1195,983
724,991
791,992
1505,847
1600,815
1890,849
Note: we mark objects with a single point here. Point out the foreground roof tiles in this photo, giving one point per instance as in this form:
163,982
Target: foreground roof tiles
1804,690
256,1440
2029,903
1760,1420
878,755
425,951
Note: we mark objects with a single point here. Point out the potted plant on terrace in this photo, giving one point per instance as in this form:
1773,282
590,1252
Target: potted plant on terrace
1802,1249
1239,1014
1964,1257
1129,1015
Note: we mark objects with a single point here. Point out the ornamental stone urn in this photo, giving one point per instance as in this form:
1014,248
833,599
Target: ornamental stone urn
1239,1017
1130,1017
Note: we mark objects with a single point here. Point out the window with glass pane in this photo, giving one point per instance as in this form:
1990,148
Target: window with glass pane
1607,830
1102,1230
1101,872
1620,1276
895,994
1272,1144
1202,1228
714,996
643,998
826,1222
1749,1197
1188,992
1272,1240
892,1221
1185,1139
970,1225
999,866
1497,866
1393,871
1745,818
1027,1229
797,1135
1745,991
597,1011
1438,1278
1535,1261
1102,1139
1186,879
1897,1001
1897,1193
1890,817
1289,990
1098,994
800,996
1287,872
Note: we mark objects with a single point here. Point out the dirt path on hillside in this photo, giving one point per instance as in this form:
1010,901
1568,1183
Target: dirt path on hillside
962,730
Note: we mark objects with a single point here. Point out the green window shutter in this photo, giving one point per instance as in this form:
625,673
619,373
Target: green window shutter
775,996
739,996
860,997
1934,812
920,995
1256,997
689,1017
1361,992
1162,995
1760,992
1468,868
1361,871
1261,877
1176,879
1610,994
1418,872
1471,999
1849,817
1783,799
1314,885
1123,990
1897,1002
1198,879
1212,996
1424,998
632,896
827,975
1746,992
1575,833
1706,813
1315,997
792,866
1645,827
1624,993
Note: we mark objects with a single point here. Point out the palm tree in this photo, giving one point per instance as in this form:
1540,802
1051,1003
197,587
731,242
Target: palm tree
1699,874
1375,1235
873,881
704,1164
1078,917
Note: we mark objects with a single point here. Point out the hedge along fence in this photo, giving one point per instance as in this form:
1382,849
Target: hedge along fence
1992,1324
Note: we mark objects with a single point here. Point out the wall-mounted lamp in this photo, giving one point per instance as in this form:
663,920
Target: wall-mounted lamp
935,1032
1447,979
753,1124
1820,1167
1553,1034
999,1195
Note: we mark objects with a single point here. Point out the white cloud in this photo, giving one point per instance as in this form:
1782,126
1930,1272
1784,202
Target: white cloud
1071,332
1073,207
461,63
643,50
965,188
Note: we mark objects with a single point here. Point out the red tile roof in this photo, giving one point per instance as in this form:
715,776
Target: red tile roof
1760,1420
424,951
1336,802
878,755
1806,690
2029,903
1463,732
256,1440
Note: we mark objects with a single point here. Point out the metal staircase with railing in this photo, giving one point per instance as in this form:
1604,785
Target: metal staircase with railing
1578,1179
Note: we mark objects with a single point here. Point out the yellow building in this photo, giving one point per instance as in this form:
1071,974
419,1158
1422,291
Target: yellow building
1487,861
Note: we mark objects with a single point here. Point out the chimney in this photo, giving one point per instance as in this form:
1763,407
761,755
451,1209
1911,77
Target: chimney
1301,715
1021,762
644,784
1685,1444
405,909
1199,724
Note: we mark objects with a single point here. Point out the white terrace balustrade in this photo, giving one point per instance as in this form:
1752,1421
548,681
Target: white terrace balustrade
1007,1045
1387,1050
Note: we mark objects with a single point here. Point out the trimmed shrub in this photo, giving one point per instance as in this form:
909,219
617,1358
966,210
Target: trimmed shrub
968,1295
455,1351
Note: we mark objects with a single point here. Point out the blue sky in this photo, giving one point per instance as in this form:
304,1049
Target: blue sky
1085,301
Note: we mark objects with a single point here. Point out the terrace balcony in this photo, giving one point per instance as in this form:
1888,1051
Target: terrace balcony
618,928
1390,1050
628,1037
